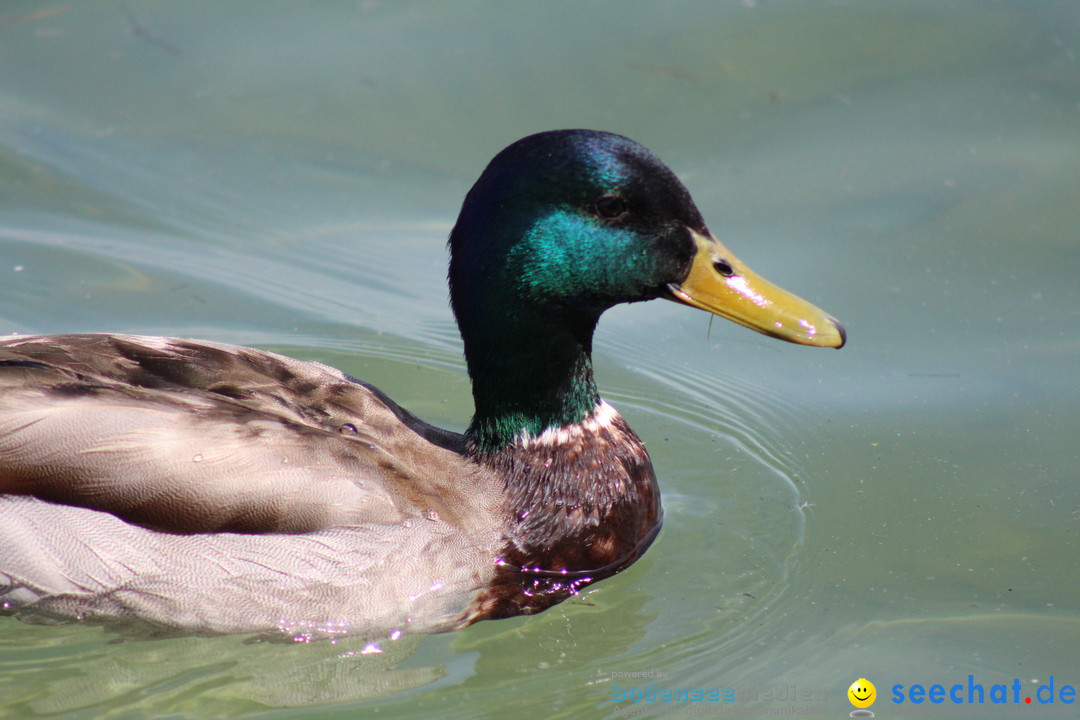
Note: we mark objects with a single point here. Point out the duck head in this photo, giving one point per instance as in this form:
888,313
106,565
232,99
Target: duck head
561,226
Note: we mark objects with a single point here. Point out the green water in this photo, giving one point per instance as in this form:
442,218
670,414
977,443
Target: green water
284,175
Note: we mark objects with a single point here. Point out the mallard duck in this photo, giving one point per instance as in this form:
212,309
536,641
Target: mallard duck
203,488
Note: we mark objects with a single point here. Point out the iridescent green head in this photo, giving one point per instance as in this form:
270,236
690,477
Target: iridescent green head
561,226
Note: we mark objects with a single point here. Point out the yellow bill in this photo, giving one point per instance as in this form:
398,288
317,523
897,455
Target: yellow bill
720,283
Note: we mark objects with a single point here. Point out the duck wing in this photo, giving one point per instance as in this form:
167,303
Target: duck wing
190,436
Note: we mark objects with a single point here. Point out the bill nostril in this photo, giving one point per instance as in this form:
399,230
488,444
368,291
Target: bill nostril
723,267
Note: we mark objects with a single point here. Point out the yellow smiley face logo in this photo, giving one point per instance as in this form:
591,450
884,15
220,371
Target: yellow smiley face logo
862,693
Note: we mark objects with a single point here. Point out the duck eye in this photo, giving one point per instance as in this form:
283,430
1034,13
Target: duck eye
611,206
723,267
